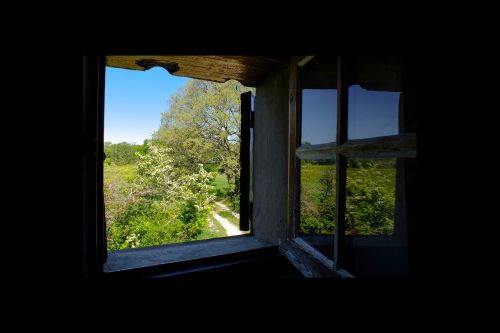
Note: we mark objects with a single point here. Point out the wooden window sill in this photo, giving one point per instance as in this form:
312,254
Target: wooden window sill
182,254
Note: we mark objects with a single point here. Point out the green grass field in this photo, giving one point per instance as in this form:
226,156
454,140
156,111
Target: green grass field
310,176
117,177
384,178
214,230
220,182
371,188
117,180
113,173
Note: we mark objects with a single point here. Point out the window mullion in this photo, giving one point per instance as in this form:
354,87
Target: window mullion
341,166
101,218
298,163
293,126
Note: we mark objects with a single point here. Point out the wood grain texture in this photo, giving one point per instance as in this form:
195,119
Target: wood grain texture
292,145
304,262
249,70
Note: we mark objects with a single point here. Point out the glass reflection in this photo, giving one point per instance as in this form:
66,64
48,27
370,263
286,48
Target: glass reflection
371,196
376,239
319,100
374,98
317,204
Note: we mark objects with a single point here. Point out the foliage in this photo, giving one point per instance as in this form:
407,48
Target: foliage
121,153
163,204
221,187
158,179
202,125
150,224
214,230
370,200
319,219
370,206
233,194
357,163
167,197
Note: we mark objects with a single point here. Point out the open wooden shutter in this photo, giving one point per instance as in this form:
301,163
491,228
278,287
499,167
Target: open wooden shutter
245,204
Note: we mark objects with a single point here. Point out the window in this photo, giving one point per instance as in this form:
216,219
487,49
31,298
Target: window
352,165
172,167
97,258
333,180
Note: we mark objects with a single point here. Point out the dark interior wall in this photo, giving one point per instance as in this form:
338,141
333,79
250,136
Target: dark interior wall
270,157
93,227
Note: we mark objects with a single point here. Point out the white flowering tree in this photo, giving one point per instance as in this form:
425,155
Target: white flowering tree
160,180
167,203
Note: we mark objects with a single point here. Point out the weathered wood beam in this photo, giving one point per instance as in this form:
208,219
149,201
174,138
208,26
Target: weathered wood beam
304,262
249,70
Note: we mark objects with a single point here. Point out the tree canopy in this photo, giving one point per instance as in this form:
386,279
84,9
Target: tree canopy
202,125
122,153
169,199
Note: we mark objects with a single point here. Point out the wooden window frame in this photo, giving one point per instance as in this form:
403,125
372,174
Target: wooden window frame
307,259
161,260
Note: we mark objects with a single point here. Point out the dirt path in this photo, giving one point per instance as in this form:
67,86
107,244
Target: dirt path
224,207
229,227
231,230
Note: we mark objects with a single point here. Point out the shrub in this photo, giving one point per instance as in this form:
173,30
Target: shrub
220,194
319,219
233,195
369,211
164,205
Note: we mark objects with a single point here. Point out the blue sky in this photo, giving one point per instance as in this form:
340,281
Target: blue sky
134,102
319,117
371,114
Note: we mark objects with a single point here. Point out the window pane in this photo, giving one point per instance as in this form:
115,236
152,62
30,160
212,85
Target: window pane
376,237
318,82
374,97
182,183
370,199
317,204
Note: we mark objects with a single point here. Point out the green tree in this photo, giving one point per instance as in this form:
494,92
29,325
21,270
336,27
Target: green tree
120,153
202,125
370,211
319,218
327,202
158,179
